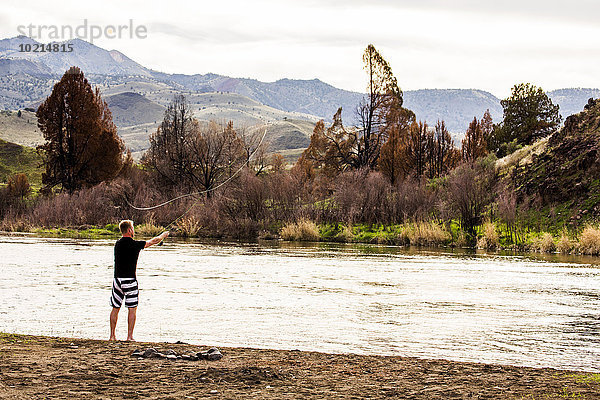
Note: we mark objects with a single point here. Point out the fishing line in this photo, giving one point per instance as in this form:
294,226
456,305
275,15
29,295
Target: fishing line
199,192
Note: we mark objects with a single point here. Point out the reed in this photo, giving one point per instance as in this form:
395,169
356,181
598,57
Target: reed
15,225
149,228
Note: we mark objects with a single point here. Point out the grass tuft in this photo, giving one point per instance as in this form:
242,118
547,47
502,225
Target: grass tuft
544,243
589,241
490,239
304,230
189,226
427,234
564,244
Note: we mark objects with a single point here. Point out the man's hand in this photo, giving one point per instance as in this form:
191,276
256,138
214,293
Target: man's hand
157,239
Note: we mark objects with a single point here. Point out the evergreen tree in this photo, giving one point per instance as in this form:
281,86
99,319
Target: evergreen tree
529,115
82,147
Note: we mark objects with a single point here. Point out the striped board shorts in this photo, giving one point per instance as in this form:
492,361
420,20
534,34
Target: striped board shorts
124,288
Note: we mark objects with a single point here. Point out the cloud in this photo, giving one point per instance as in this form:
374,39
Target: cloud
429,43
585,11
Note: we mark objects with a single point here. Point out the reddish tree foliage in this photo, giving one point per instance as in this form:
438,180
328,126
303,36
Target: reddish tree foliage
393,161
337,149
474,144
443,155
82,147
18,186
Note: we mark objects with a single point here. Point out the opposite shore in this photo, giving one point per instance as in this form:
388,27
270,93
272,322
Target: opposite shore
414,235
55,368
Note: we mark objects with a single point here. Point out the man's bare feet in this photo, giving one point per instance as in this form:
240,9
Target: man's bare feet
130,339
112,338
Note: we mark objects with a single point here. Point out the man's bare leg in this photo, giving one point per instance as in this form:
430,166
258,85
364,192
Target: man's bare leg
131,323
114,315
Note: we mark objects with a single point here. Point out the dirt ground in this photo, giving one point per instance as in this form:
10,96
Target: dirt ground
33,367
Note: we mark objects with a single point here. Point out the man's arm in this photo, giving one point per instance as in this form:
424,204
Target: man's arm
157,239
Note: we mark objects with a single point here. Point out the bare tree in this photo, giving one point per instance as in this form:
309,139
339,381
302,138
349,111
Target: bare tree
255,148
337,149
383,94
169,152
218,153
198,157
469,192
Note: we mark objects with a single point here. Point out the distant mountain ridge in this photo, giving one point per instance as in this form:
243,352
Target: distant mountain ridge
27,78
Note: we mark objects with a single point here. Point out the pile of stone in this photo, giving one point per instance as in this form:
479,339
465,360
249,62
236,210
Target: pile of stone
212,354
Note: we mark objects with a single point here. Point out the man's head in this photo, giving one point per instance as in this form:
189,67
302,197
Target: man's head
126,227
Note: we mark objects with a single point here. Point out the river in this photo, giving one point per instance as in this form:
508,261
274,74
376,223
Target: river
366,299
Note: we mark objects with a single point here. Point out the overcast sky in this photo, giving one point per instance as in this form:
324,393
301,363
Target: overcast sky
488,45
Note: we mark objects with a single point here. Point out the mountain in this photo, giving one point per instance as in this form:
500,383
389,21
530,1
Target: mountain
572,101
90,58
27,78
456,107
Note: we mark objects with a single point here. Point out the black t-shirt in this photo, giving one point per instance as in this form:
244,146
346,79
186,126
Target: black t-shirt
127,251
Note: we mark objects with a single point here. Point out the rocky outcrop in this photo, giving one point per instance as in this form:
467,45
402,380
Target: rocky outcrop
567,172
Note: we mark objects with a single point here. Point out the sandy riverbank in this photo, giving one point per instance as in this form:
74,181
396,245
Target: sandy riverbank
33,367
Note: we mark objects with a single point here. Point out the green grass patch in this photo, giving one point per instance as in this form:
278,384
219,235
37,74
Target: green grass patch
87,233
16,159
585,378
13,338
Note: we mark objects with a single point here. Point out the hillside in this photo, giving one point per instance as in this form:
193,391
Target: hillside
563,180
137,114
27,78
456,107
130,109
136,117
20,159
21,130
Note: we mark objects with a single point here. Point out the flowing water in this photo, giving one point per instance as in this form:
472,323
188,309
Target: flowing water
530,311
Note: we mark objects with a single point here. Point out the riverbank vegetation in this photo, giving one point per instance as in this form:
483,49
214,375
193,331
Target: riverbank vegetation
388,178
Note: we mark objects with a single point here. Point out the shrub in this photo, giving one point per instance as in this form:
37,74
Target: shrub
189,226
589,241
564,245
489,240
345,234
427,234
18,186
149,228
112,228
303,230
544,243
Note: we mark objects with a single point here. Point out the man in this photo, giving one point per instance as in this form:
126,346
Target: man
125,284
